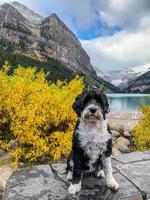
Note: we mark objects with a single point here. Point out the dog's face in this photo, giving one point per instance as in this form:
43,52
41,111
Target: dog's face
91,105
92,111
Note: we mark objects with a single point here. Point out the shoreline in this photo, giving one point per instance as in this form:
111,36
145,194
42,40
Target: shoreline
125,118
125,115
128,95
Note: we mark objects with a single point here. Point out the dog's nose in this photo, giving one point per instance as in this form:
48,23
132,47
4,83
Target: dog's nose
93,110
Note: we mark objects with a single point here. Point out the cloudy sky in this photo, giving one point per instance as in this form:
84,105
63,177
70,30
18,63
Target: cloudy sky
115,33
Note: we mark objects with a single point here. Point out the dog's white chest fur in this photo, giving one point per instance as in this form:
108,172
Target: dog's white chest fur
93,139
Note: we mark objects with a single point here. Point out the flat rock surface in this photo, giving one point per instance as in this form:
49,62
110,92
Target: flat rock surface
45,182
133,157
129,119
139,174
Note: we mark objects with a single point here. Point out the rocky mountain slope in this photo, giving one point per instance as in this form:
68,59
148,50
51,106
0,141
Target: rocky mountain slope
34,40
42,38
141,84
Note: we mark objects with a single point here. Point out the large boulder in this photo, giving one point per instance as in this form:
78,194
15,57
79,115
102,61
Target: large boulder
121,144
115,134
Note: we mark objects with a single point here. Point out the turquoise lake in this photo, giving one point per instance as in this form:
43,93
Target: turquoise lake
128,102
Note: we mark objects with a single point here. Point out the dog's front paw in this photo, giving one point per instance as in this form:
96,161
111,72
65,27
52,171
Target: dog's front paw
69,175
74,188
100,174
112,184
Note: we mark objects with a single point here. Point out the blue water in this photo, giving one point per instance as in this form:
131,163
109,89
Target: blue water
128,102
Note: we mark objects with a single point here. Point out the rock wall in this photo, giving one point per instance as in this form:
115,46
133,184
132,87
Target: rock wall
140,85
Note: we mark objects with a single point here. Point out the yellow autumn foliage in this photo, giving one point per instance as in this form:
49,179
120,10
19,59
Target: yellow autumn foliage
36,114
141,133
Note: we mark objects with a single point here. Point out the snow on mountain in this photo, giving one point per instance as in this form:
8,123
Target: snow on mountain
122,78
99,72
139,69
116,82
27,13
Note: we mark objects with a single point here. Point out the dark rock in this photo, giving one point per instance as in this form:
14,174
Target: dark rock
35,183
101,192
127,133
40,182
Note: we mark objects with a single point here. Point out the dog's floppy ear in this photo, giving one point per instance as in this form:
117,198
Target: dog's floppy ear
104,100
78,104
105,104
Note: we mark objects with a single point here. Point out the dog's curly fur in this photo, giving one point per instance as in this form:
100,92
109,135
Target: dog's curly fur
92,143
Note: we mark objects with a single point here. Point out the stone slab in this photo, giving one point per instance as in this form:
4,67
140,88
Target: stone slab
42,183
133,157
139,174
49,183
60,169
35,183
94,188
147,152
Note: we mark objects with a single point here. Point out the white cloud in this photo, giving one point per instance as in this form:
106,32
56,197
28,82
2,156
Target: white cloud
124,49
127,48
125,13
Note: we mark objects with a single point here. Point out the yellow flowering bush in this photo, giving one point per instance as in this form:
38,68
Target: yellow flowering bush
36,114
141,133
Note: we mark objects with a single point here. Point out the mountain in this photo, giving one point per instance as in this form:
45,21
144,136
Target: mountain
42,38
122,78
31,40
140,85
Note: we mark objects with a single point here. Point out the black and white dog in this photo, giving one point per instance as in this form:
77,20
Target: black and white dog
92,143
